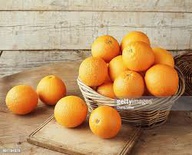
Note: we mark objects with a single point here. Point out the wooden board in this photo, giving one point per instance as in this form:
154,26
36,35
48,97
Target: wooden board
81,140
38,30
98,5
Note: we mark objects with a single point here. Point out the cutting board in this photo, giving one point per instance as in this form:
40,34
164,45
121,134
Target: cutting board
81,140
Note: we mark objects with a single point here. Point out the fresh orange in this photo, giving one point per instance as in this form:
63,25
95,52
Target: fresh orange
105,47
105,122
21,99
162,80
51,89
162,56
134,36
138,56
129,84
93,71
116,67
70,111
106,89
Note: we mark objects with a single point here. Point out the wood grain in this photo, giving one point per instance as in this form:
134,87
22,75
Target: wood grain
13,133
15,61
99,5
38,30
172,138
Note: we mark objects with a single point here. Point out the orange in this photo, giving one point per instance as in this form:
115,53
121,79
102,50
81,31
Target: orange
105,47
51,89
21,99
162,80
106,89
138,56
129,84
162,56
105,122
93,71
134,36
70,111
116,67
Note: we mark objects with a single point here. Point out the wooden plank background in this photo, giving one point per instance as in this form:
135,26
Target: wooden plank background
37,32
99,5
76,30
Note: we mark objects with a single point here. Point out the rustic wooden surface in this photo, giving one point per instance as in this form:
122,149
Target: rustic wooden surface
35,33
57,24
53,136
98,5
174,137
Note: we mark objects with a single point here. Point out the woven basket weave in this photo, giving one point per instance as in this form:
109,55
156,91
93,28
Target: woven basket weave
184,63
142,112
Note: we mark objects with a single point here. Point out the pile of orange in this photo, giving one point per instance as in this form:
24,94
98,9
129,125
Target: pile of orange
132,69
69,111
129,70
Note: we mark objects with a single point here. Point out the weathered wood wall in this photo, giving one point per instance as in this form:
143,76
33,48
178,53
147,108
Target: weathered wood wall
36,32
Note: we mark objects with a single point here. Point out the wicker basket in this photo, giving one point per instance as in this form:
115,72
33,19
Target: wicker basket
184,63
141,112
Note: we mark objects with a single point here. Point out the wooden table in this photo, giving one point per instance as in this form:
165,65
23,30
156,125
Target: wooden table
174,137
